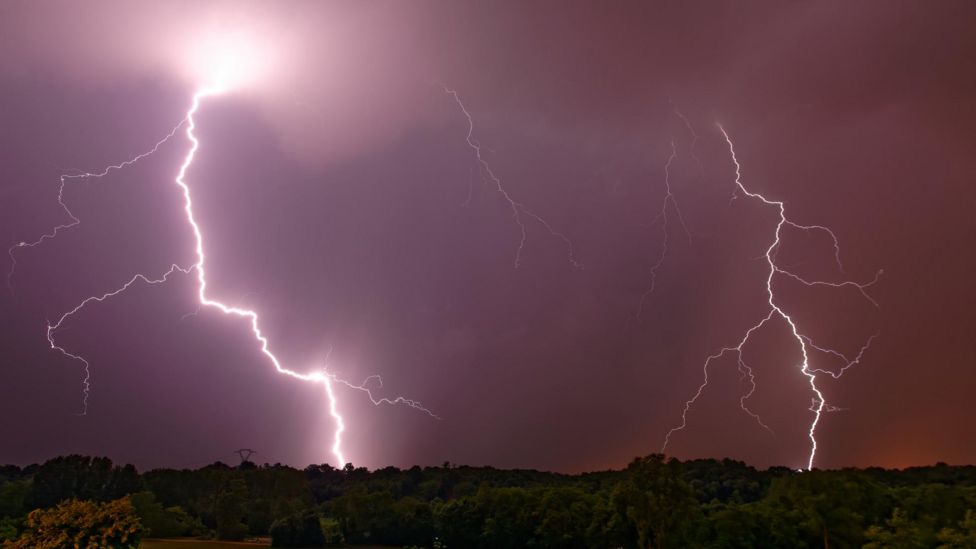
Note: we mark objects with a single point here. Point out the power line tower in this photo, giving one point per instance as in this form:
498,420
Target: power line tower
245,454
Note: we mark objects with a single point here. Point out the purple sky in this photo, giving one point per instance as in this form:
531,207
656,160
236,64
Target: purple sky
340,200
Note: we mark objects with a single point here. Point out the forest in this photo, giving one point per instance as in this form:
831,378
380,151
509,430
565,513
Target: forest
652,503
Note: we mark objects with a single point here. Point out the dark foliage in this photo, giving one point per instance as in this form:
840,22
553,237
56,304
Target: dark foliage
302,529
654,502
81,477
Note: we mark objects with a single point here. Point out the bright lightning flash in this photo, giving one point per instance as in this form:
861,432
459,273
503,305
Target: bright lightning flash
228,65
227,62
804,343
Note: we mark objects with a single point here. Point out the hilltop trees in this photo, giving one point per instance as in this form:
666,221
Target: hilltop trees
658,503
83,478
653,503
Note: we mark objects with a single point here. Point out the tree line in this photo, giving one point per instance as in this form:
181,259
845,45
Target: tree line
653,503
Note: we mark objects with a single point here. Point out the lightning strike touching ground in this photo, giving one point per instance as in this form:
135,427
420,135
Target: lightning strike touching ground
518,209
319,375
818,402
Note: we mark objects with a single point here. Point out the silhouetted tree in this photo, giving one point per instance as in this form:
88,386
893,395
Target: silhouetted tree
229,511
82,478
657,501
299,530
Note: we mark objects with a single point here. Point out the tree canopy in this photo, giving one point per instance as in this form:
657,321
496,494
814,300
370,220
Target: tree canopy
652,503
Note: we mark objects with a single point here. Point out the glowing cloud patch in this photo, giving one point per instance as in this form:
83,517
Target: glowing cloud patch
226,62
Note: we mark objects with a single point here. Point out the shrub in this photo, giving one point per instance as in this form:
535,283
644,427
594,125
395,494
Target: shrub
85,524
302,529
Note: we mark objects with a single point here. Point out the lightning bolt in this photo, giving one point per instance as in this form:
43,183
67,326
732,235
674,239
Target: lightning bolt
364,387
518,209
805,343
53,328
662,217
72,219
694,138
326,378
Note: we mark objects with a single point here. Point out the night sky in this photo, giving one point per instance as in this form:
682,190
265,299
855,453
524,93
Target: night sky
339,199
